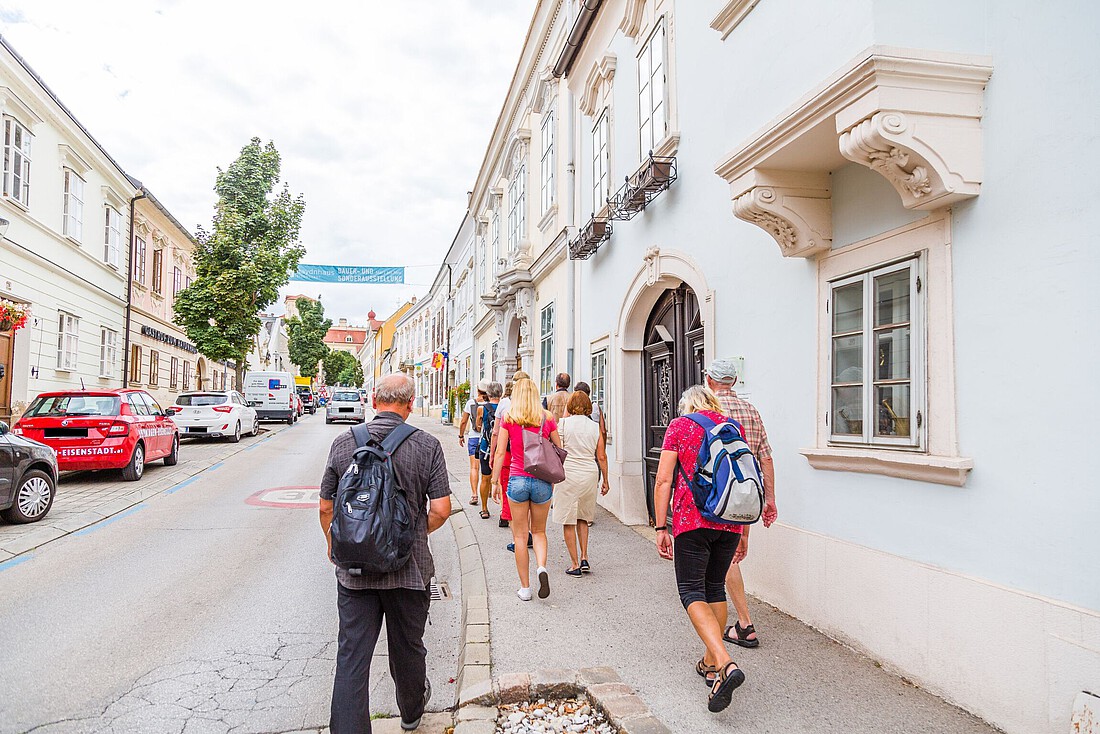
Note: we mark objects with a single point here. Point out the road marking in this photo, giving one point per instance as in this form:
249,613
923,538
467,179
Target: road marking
15,561
286,497
215,466
108,520
181,485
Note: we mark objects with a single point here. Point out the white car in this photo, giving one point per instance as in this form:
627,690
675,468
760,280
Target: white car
214,413
345,405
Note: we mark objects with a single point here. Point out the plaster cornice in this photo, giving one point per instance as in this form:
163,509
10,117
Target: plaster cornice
731,15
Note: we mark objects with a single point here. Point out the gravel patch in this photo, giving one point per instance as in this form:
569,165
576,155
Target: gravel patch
567,716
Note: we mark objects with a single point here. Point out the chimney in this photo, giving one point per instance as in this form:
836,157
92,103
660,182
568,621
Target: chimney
343,323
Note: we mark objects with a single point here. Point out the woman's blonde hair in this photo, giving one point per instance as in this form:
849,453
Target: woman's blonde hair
526,408
698,397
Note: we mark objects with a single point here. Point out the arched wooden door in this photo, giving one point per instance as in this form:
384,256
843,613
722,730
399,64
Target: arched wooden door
673,362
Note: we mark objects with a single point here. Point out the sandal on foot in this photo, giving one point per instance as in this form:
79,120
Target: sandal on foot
484,514
474,501
574,572
739,635
707,671
585,567
724,685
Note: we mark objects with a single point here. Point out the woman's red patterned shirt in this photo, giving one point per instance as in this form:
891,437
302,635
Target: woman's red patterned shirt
685,436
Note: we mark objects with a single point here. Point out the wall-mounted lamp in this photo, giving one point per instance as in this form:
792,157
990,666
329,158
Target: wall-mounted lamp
3,226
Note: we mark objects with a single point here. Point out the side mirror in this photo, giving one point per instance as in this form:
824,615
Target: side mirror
4,428
171,411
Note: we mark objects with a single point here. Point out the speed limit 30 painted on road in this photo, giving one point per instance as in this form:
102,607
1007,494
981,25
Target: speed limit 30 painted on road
286,497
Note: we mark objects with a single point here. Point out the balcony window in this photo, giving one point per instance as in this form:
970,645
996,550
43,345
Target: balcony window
652,92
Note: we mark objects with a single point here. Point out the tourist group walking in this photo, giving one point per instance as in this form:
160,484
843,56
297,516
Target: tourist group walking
538,459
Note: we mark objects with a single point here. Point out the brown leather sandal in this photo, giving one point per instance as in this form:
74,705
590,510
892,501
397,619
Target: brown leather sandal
707,671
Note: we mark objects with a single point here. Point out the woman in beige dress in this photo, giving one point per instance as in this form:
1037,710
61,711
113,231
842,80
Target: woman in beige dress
575,498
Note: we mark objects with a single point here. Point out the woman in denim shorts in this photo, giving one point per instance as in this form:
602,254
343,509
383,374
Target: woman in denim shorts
529,497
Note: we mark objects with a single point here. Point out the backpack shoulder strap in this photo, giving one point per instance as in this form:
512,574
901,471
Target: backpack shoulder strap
361,435
397,436
702,421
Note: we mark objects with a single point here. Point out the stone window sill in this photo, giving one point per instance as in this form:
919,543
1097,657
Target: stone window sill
950,470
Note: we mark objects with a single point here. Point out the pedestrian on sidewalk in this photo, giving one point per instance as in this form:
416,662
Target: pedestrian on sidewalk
597,411
558,399
468,419
486,421
721,377
575,498
505,467
401,597
703,549
530,497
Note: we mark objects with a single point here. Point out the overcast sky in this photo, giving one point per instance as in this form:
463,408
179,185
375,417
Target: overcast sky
381,110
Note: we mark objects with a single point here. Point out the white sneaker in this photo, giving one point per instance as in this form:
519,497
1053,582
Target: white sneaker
524,593
544,583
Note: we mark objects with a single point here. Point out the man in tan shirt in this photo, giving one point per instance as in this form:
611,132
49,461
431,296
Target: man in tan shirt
558,399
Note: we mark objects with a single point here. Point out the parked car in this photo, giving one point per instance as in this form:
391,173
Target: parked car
299,406
214,414
28,477
102,429
272,395
345,405
309,400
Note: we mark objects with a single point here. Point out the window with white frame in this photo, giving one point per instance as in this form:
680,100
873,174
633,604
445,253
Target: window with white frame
108,352
68,341
139,260
547,162
601,163
598,381
112,236
517,208
496,357
546,350
652,92
481,274
17,161
876,357
72,225
494,251
481,365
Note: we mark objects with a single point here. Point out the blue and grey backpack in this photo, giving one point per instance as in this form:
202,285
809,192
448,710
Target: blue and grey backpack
727,486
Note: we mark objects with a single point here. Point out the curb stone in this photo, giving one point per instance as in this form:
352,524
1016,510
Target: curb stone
475,655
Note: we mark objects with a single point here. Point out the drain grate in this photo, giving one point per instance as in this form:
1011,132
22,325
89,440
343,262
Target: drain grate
440,590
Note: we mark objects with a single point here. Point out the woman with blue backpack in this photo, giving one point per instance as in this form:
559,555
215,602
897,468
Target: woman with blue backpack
711,479
484,422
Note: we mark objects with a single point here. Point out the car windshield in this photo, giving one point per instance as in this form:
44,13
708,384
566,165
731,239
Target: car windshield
346,397
197,399
304,391
53,405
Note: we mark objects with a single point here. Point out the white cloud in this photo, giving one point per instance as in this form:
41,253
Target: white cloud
381,111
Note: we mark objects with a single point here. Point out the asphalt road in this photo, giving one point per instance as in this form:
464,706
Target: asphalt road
195,611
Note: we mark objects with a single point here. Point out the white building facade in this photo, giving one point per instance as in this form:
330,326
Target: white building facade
64,253
856,219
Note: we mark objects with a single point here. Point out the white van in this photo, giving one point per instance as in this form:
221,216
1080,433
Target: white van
272,395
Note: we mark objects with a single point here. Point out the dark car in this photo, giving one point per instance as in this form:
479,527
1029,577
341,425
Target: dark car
309,400
28,477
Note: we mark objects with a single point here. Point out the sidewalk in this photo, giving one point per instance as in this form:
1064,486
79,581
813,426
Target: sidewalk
85,498
626,615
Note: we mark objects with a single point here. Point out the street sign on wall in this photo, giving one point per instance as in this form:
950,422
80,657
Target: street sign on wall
348,274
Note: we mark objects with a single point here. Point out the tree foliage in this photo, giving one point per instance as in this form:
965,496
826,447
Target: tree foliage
342,368
240,264
306,342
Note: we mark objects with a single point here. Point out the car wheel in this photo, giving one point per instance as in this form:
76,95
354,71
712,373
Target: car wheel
173,457
133,471
290,419
256,427
33,498
236,437
328,421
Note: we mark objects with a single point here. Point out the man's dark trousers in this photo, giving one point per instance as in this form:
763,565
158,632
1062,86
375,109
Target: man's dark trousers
361,613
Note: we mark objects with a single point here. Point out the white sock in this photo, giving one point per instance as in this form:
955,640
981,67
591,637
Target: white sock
542,569
524,593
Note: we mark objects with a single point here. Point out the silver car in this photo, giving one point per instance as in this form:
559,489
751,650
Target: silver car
345,405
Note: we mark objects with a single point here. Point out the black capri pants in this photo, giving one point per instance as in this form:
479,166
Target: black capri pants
702,557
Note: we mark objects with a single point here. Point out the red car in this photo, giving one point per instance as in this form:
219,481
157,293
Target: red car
102,429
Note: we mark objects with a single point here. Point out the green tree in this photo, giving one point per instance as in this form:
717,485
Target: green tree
240,264
306,336
342,368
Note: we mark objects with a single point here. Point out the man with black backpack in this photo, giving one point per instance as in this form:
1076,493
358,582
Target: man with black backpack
384,488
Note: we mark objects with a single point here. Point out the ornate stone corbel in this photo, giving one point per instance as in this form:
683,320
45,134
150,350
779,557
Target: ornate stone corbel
546,89
793,207
652,265
931,160
633,15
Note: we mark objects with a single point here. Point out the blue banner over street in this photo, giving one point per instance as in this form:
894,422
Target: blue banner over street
348,274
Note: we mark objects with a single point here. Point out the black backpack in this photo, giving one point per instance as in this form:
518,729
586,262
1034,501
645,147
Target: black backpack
373,523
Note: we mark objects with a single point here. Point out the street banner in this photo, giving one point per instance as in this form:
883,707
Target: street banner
348,274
